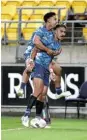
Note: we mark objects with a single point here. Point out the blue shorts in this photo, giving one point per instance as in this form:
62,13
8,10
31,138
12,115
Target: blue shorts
42,73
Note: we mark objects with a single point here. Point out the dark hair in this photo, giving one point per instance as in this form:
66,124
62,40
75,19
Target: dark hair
48,15
59,25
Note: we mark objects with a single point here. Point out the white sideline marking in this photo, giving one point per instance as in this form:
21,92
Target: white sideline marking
12,129
20,129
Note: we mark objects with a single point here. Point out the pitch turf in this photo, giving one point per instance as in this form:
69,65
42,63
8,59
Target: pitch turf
61,129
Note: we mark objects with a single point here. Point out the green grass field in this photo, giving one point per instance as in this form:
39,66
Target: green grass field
61,129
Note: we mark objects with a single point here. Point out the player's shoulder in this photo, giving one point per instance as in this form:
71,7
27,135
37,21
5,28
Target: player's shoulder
40,29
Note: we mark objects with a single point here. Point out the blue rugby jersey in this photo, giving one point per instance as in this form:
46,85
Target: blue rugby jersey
46,37
43,58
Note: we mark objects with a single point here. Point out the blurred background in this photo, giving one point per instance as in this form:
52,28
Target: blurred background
19,19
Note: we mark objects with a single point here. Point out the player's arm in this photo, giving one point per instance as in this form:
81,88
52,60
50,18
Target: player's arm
33,53
57,52
40,45
30,61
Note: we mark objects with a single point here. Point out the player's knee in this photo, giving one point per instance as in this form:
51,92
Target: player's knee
57,69
44,94
42,97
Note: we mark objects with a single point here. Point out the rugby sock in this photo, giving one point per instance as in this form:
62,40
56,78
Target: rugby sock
46,113
23,85
27,112
58,90
31,102
39,108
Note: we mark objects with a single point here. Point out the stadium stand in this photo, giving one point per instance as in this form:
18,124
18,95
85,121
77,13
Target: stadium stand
46,3
85,33
12,34
29,3
36,15
15,3
24,17
16,18
41,11
2,32
79,6
29,12
6,17
2,3
8,9
33,25
63,4
15,25
2,25
27,32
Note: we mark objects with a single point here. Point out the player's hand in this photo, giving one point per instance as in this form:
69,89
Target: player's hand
50,52
30,64
52,75
57,52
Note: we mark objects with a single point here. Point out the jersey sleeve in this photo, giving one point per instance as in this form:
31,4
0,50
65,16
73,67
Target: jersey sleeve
39,32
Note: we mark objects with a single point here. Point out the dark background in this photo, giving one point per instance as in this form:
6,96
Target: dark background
19,69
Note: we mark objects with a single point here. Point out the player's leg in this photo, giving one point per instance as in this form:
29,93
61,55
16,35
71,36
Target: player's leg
40,102
38,89
42,109
56,76
26,74
45,111
42,99
57,71
39,107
